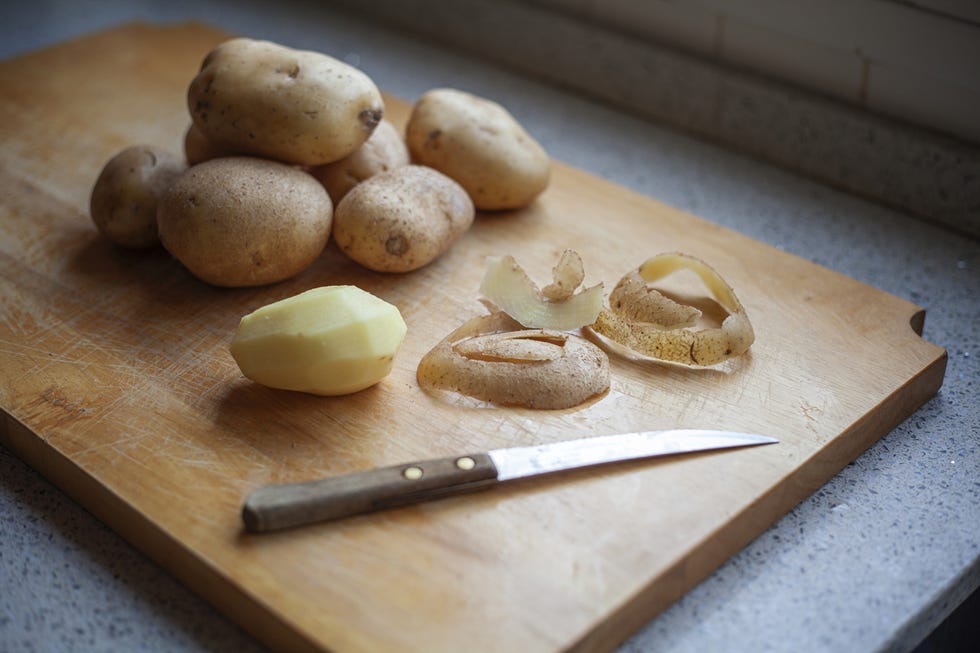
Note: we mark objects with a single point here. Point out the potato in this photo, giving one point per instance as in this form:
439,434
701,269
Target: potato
295,106
243,221
332,340
478,143
198,148
385,150
403,219
124,199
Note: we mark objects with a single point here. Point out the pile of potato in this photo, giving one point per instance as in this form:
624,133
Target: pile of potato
289,147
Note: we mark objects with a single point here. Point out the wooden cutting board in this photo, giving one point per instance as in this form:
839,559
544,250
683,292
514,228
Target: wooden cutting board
116,383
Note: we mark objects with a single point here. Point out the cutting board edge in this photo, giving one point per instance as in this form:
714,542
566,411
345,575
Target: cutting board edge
752,521
111,509
146,536
237,604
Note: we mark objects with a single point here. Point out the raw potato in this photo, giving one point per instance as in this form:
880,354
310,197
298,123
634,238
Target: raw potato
125,196
198,149
295,106
384,151
333,340
242,221
401,220
478,143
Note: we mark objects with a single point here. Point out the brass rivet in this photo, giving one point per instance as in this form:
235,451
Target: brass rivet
465,463
412,473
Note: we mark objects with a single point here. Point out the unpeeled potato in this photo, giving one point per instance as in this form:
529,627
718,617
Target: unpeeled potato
481,145
198,148
242,221
273,101
384,151
124,199
403,219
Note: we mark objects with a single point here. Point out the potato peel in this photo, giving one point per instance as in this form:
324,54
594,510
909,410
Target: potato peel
507,285
658,329
568,273
492,358
636,301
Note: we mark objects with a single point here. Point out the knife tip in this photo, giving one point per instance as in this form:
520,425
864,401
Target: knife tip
764,439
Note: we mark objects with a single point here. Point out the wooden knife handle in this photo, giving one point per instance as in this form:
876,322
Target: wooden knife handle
281,506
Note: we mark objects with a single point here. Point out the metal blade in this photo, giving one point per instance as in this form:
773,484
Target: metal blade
518,462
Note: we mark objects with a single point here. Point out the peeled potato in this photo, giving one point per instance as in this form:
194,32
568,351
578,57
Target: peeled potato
332,340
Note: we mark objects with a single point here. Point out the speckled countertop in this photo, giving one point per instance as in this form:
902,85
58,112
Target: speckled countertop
872,561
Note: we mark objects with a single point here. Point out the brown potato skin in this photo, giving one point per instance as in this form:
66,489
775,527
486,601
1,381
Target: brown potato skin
243,221
124,198
198,148
271,101
481,145
403,219
385,150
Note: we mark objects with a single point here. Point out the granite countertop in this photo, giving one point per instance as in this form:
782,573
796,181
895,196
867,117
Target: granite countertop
872,561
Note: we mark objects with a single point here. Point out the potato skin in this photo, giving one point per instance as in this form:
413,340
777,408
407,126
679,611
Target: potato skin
384,150
198,148
481,145
124,198
243,221
296,106
403,219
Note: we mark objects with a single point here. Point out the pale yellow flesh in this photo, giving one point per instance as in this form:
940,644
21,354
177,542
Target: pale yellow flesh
332,340
507,285
705,347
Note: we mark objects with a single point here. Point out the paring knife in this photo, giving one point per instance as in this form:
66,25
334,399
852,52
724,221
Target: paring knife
281,506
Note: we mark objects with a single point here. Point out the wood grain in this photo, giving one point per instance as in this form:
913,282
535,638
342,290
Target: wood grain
116,383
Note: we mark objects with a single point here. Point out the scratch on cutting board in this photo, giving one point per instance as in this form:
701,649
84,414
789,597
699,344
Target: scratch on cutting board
38,356
810,413
594,574
54,397
114,445
121,452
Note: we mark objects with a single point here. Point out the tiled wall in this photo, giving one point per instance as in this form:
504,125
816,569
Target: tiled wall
915,60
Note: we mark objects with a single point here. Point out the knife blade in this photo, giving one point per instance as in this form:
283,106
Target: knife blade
276,507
